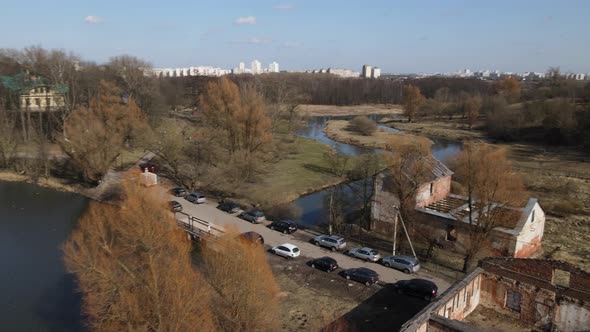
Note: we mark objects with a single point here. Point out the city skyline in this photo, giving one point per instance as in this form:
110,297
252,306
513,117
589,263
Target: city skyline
401,37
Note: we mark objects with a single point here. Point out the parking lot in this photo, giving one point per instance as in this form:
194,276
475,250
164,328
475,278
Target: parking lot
301,239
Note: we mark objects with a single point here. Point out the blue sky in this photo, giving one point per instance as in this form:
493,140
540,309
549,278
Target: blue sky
398,36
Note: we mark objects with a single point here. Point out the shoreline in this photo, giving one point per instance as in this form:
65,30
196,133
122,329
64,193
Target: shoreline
50,183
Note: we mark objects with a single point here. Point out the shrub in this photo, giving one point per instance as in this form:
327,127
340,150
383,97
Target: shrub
364,125
566,207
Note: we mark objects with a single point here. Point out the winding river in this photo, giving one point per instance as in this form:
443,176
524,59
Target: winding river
312,206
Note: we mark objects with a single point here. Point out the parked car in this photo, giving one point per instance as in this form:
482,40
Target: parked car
332,242
362,275
149,166
253,216
285,226
196,198
403,263
286,250
327,264
179,192
368,254
417,287
229,207
252,238
175,206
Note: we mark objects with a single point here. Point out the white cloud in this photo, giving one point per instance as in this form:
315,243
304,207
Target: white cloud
253,41
90,19
284,6
245,20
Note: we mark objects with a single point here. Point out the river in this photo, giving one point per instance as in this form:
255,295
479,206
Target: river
37,293
312,206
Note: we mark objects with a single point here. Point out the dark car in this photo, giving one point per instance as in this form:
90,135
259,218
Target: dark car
229,207
253,216
362,275
327,264
175,206
149,166
285,226
417,287
179,192
252,238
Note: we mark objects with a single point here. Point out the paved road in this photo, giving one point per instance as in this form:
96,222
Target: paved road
209,212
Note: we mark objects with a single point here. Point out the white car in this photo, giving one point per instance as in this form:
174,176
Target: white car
196,198
286,250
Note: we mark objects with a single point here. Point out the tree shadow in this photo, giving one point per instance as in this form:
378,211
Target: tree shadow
319,169
384,311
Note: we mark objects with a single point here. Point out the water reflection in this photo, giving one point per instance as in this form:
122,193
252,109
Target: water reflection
313,206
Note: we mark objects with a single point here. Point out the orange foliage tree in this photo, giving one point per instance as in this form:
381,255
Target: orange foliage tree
412,101
95,136
239,113
132,263
241,276
472,106
509,87
493,188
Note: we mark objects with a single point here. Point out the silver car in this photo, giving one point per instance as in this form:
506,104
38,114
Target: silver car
332,242
403,263
368,254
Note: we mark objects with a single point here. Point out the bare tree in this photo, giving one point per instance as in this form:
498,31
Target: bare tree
8,138
493,190
132,263
472,107
243,279
412,101
96,135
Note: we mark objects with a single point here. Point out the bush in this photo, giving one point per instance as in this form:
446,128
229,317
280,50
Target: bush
284,211
566,207
364,125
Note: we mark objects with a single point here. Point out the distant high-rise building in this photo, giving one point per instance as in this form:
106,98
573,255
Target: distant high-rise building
376,72
367,71
273,67
256,67
241,68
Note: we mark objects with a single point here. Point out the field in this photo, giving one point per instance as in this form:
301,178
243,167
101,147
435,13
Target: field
330,110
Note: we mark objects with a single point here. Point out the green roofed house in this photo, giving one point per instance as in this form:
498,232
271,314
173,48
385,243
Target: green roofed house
35,94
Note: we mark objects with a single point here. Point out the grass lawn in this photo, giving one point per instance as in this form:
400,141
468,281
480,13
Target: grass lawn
293,176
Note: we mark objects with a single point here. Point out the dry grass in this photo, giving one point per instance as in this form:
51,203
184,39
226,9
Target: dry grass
450,129
331,110
341,130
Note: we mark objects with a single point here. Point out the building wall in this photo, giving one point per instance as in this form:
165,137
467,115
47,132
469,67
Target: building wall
40,99
441,188
529,240
572,317
463,302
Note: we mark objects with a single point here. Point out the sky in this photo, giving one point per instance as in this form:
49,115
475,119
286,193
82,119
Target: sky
398,36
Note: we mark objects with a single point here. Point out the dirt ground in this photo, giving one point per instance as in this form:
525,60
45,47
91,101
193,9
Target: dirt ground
330,110
485,319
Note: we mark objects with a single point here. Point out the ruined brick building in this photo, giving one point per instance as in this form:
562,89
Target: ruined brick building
446,216
544,295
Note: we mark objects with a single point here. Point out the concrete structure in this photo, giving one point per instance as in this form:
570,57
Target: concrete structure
545,294
273,67
366,71
518,232
256,67
41,98
190,71
376,72
241,68
345,73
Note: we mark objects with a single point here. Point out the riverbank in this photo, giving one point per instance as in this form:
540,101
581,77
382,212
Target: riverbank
449,129
331,110
340,130
51,183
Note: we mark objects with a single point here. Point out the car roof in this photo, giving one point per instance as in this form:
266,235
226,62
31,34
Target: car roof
407,258
366,249
288,245
364,269
326,258
196,193
423,282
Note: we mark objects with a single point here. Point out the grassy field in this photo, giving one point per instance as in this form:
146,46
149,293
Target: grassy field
330,110
293,176
455,129
340,130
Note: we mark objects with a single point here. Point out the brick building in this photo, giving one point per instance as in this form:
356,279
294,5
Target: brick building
446,216
545,294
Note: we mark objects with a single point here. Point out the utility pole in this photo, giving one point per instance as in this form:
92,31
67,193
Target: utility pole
395,233
408,236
